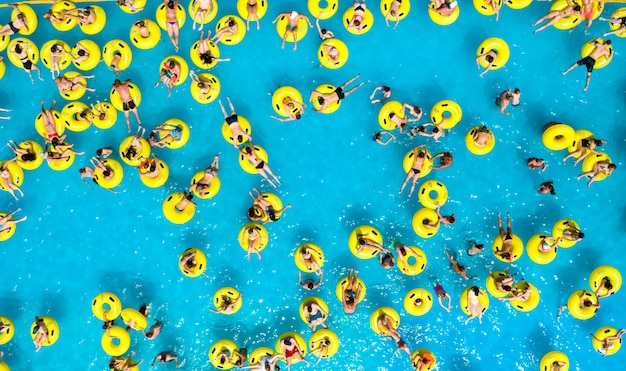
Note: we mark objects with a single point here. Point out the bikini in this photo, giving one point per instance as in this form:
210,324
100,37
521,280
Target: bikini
13,28
290,352
27,63
313,317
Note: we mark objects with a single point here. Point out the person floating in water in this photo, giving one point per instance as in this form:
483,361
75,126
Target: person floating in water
601,49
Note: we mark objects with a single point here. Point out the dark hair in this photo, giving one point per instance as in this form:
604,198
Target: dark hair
106,172
298,115
170,4
577,8
452,218
81,52
421,154
435,130
475,290
206,57
55,141
28,156
421,129
82,170
612,166
252,212
418,301
377,136
489,58
231,23
310,285
608,42
506,287
597,142
608,284
386,89
356,22
188,196
581,235
516,90
140,23
117,81
587,303
309,307
18,48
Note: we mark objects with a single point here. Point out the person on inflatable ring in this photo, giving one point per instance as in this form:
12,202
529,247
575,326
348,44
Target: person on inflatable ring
170,73
571,233
290,350
293,18
231,27
356,23
173,28
423,362
482,136
252,9
261,166
323,32
144,309
291,105
554,16
445,8
605,284
585,303
184,202
609,342
307,259
473,304
253,242
545,245
204,52
393,11
41,333
507,238
601,49
445,160
615,21
585,147
21,51
351,292
315,315
7,221
188,261
364,242
164,133
16,24
84,16
57,51
401,250
81,52
149,167
266,208
490,56
6,179
127,101
416,167
117,363
130,4
233,121
587,11
456,267
228,304
236,358
87,172
519,295
57,17
204,7
309,284
142,26
210,173
600,167
503,284
135,146
387,327
204,87
66,85
325,99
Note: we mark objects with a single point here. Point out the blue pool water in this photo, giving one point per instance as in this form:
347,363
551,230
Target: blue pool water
79,241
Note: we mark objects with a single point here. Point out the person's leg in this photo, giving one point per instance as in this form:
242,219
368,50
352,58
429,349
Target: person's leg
176,30
574,65
354,89
232,108
271,173
136,113
345,84
262,173
587,81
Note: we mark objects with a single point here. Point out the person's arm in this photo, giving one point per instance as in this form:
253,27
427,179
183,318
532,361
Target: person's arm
282,119
277,17
307,20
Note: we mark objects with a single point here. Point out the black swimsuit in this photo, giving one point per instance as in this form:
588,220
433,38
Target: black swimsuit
340,93
26,62
231,119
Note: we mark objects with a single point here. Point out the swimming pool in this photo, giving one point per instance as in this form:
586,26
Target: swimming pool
336,178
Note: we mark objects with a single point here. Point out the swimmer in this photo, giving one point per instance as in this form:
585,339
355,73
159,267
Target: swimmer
552,17
394,9
5,224
142,26
584,148
535,163
420,153
475,248
325,99
204,52
290,350
293,19
188,261
605,284
456,267
293,108
57,51
615,21
364,242
25,155
600,167
263,208
204,7
571,233
445,8
386,260
128,104
165,134
356,23
235,358
445,160
22,51
385,90
201,186
490,56
482,136
378,137
124,364
228,304
261,166
441,296
230,28
232,120
252,8
41,333
173,29
204,86
387,326
6,179
265,364
87,172
67,84
306,255
315,315
601,49
414,112
548,244
143,310
309,284
169,75
445,219
504,283
546,187
135,146
506,237
154,331
436,133
322,32
163,357
519,294
351,292
104,152
506,97
321,347
609,342
473,304
187,200
16,24
253,242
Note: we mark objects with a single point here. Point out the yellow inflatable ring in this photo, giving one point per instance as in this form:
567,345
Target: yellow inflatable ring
161,16
118,174
281,28
218,348
243,236
540,257
550,358
60,164
98,25
145,42
4,42
117,46
184,133
53,330
342,53
499,46
31,19
417,264
491,284
454,111
7,335
184,68
36,149
241,30
427,165
130,314
482,299
231,293
69,113
603,333
343,282
68,23
558,136
517,248
559,227
46,50
588,48
605,272
195,54
212,188
326,89
259,353
3,69
573,304
137,4
17,174
391,107
578,136
312,299
590,161
419,354
106,303
568,22
381,311
533,299
118,343
111,115
440,19
367,22
247,165
174,215
242,9
134,161
32,52
474,148
424,194
283,93
327,336
276,203
157,181
208,16
299,340
422,215
79,92
322,13
213,92
116,100
200,266
369,233
485,9
619,13
415,309
403,11
317,254
517,4
227,133
94,55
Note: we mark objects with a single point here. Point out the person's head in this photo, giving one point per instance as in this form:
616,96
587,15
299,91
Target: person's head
81,53
141,23
309,307
117,82
29,156
418,301
421,129
247,149
580,235
106,172
82,171
293,14
607,284
55,141
607,42
171,63
298,115
18,48
206,57
56,48
107,324
435,130
506,288
421,154
489,58
356,22
254,212
333,52
130,153
461,268
231,22
475,290
516,91
452,218
323,31
506,256
576,7
386,89
387,262
170,4
377,136
310,285
587,303
189,196
612,166
320,100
